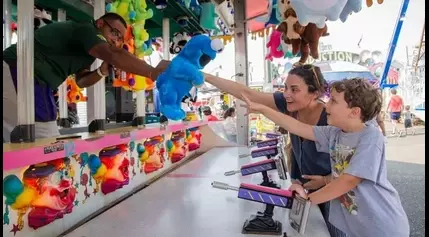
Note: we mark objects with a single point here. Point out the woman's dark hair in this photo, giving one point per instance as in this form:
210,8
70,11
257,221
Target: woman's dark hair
228,113
312,76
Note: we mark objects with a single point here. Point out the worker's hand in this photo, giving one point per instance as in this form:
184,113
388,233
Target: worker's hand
314,182
299,190
104,68
252,107
159,69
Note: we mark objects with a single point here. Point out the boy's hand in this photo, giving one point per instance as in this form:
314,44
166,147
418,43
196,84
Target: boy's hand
252,107
315,182
298,189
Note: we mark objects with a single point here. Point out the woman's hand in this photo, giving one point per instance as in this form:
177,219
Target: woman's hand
298,189
314,182
252,107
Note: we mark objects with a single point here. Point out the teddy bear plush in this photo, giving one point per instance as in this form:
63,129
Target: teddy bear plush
184,72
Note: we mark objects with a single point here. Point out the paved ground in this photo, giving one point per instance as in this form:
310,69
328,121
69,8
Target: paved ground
406,171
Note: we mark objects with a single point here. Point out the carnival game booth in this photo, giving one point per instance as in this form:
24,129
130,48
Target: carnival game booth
105,177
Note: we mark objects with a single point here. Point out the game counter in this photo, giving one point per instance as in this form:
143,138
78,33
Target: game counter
184,204
51,185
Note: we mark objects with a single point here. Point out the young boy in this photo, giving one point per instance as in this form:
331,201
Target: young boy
363,202
408,123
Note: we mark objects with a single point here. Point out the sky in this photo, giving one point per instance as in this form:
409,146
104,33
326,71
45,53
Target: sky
375,25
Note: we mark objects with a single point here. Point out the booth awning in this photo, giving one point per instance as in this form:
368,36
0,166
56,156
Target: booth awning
256,10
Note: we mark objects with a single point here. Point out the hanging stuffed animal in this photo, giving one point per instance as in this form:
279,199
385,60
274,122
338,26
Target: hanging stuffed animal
273,46
370,2
351,6
184,72
208,16
272,13
309,43
178,42
317,11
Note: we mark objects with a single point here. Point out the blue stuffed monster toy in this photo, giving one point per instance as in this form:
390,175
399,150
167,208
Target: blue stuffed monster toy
184,72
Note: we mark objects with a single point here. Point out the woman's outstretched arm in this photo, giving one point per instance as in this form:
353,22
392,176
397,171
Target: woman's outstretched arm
237,90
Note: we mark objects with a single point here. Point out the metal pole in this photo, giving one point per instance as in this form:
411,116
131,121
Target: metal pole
166,38
96,105
241,66
62,89
420,48
25,131
7,18
394,41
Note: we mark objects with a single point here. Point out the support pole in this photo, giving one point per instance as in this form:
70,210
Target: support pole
25,130
62,89
166,56
139,120
7,22
96,104
166,38
241,66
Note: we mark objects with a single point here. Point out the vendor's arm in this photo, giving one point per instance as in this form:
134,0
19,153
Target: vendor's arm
237,90
87,78
96,46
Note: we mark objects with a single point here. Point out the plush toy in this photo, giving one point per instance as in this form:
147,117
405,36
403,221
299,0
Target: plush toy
272,13
195,7
351,6
139,31
317,11
287,26
370,2
309,43
208,15
184,72
161,4
287,49
185,3
282,6
74,93
178,42
273,46
225,10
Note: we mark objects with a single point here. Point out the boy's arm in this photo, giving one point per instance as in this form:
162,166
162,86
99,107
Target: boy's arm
365,164
335,189
290,124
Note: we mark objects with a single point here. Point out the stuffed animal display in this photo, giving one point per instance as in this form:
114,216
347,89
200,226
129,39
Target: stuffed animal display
184,72
178,42
274,46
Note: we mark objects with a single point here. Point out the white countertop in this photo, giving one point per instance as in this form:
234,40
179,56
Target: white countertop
183,204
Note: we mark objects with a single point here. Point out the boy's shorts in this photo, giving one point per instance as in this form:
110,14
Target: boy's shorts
408,123
395,115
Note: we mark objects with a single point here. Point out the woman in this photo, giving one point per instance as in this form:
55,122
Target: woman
303,88
230,124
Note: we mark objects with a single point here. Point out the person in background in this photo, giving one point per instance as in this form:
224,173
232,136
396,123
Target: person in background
408,121
395,107
62,49
208,114
230,124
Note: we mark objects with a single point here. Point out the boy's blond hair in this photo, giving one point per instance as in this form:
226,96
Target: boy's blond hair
360,93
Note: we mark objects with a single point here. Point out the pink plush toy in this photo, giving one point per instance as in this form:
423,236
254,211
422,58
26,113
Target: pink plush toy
274,46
